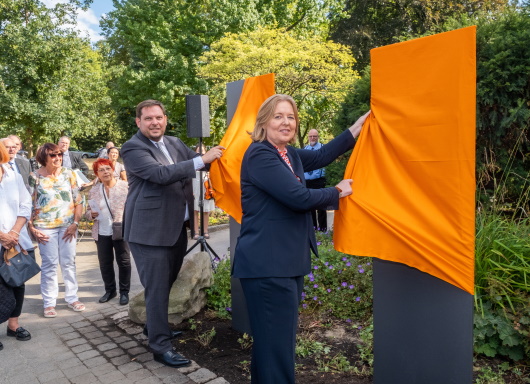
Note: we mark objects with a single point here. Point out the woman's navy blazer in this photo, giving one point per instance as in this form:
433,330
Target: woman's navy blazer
276,229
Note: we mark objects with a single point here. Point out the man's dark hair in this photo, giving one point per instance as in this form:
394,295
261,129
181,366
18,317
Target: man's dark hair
149,103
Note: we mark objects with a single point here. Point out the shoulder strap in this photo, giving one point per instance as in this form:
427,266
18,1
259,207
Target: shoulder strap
106,201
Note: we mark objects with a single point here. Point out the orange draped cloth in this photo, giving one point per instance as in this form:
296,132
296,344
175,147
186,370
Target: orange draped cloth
225,173
413,167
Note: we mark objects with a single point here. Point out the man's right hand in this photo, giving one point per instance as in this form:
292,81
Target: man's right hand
213,154
345,187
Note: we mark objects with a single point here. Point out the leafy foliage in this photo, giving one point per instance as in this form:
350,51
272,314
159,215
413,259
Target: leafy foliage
316,73
219,296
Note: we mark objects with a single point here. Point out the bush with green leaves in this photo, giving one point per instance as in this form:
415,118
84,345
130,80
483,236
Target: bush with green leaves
218,296
339,285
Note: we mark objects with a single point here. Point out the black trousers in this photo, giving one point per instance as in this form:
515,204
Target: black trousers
158,268
319,216
272,304
19,298
107,250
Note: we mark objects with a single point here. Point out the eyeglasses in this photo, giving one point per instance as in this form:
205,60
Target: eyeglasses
313,136
54,155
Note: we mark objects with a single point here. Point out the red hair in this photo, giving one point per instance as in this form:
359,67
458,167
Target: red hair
99,162
4,156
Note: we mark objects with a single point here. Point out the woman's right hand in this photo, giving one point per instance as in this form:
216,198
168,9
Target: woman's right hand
345,187
41,237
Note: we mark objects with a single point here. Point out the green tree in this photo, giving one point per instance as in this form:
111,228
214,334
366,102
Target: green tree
371,24
315,72
154,47
45,70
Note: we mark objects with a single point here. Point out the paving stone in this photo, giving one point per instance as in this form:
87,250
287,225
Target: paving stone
114,352
114,334
202,375
111,377
121,339
120,360
100,340
177,379
87,329
70,336
87,378
95,361
149,380
138,374
88,354
80,324
51,375
81,348
101,323
128,344
120,315
44,367
63,330
144,357
219,380
133,330
76,371
66,364
129,367
65,355
104,369
136,351
94,334
74,342
165,371
152,364
107,346
192,368
95,317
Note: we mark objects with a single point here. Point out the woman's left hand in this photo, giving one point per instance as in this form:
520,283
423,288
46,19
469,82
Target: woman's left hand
70,233
8,240
355,129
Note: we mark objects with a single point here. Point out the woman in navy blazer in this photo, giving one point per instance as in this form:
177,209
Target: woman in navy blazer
273,250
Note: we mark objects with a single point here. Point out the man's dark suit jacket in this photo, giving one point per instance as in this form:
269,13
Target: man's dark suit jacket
158,191
24,168
276,229
78,163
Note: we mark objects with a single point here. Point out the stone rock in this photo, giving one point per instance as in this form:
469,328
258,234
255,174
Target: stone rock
187,296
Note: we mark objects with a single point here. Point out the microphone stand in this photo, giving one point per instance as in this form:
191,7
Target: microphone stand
202,240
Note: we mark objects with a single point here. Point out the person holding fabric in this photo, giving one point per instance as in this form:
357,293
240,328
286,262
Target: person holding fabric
272,254
57,209
15,205
159,204
208,205
106,204
315,180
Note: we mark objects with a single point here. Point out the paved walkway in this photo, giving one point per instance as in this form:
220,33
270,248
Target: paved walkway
94,346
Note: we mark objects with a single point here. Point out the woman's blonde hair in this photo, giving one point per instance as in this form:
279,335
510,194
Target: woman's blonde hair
4,156
266,112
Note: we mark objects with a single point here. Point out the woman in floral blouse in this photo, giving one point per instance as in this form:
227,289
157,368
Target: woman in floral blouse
106,204
57,208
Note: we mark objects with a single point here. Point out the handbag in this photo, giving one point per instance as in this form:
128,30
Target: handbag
18,267
117,227
7,301
209,192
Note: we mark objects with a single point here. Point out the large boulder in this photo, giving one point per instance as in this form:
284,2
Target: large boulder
187,296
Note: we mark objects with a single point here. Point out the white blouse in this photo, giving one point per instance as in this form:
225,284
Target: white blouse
15,201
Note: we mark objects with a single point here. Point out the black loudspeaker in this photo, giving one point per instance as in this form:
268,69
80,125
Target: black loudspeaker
198,115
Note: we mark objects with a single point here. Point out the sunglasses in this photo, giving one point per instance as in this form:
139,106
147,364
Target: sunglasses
54,155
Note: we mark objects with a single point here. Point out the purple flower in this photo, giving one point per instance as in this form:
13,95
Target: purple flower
319,242
348,320
303,294
319,302
329,290
357,299
361,270
344,284
331,267
348,264
344,258
326,263
351,287
304,305
315,298
315,267
339,271
228,309
367,263
315,286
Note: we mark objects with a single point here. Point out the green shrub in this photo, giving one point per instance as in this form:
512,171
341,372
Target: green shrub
219,296
339,285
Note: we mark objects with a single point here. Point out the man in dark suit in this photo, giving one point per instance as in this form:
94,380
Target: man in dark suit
17,164
70,159
159,203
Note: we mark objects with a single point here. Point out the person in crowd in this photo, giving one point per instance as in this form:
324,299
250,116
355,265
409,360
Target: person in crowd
18,143
57,209
18,164
208,205
315,180
70,159
104,153
272,254
15,205
119,168
106,204
159,203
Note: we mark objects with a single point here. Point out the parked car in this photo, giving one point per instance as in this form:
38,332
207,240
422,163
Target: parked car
83,154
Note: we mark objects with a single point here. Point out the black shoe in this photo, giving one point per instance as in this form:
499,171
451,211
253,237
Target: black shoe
21,334
171,359
107,296
124,298
174,334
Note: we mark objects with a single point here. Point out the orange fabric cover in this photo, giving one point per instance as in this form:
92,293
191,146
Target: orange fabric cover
225,173
413,168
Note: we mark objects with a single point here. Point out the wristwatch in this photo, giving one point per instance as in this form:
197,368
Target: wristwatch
76,223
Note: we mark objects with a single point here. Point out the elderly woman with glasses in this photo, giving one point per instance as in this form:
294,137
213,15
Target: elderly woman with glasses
57,209
106,204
